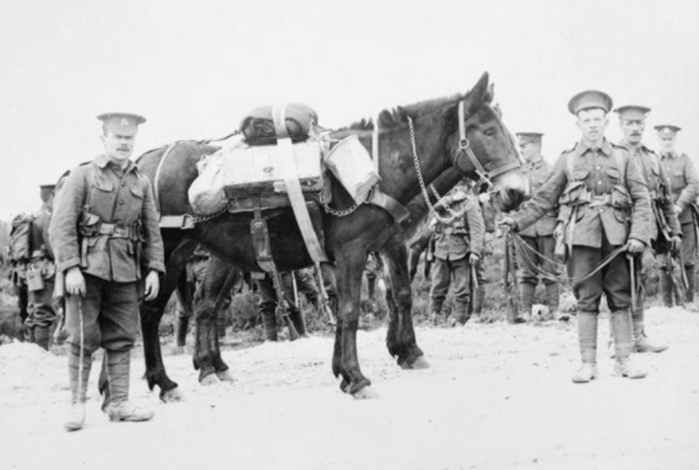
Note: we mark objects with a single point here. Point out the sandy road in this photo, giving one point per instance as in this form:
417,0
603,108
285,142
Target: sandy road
497,396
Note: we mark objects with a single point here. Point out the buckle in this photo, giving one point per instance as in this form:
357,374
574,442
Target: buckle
119,231
187,222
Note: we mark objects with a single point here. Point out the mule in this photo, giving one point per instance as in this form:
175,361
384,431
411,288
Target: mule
416,144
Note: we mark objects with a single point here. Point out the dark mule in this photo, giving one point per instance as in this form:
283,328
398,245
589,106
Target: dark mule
347,239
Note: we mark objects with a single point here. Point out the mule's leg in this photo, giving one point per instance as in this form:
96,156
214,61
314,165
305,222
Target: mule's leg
209,299
400,337
151,314
350,266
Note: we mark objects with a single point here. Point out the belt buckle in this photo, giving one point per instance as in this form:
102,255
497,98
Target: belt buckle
119,231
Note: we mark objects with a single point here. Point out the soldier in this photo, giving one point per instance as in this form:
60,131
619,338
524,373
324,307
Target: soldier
458,246
684,186
293,282
632,120
538,236
605,205
106,238
40,272
194,274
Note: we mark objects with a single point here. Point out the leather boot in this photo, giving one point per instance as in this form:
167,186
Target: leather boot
41,336
181,325
476,305
622,330
689,297
553,298
459,315
296,317
587,337
642,343
78,389
119,408
269,321
666,287
527,301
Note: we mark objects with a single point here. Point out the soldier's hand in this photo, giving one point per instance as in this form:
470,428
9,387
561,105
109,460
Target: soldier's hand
678,209
675,244
634,246
75,282
152,285
508,222
473,258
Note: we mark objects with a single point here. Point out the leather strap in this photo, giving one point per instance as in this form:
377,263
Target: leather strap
388,203
279,117
260,240
183,222
156,178
287,162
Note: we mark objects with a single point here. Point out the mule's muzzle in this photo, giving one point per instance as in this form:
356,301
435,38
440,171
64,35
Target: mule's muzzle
513,189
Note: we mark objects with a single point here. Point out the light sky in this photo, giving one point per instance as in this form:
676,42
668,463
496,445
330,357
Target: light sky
194,68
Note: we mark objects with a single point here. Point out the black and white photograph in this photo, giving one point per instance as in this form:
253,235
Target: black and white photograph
383,234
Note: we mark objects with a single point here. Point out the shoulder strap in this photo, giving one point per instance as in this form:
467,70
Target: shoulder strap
570,166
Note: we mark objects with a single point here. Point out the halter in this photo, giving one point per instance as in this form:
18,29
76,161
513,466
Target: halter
464,147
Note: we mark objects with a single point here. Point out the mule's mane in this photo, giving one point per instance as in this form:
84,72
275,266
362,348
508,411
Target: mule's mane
394,117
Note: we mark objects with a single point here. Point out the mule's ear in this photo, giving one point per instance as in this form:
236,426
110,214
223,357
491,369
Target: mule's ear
402,115
488,98
498,110
476,97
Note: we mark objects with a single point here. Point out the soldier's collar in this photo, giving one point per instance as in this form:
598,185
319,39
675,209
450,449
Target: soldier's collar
670,154
582,147
102,161
640,147
535,165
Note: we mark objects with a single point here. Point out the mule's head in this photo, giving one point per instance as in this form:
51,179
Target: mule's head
484,147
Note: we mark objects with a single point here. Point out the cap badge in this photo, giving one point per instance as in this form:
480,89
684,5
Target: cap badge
124,122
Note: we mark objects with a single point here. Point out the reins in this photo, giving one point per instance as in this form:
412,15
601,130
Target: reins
527,250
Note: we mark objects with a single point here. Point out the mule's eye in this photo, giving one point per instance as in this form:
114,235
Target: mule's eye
489,132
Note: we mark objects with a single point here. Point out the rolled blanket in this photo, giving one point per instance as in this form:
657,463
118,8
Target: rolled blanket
258,125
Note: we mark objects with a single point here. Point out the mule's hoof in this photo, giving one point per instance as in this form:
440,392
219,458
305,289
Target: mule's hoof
225,376
345,386
366,393
419,363
209,379
171,396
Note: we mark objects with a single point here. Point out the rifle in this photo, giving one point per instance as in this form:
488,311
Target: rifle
282,309
324,300
510,279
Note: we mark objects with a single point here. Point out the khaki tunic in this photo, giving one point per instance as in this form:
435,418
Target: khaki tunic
114,196
656,178
598,169
684,184
454,241
537,173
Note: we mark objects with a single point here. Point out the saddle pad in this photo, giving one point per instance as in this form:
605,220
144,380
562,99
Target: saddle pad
257,170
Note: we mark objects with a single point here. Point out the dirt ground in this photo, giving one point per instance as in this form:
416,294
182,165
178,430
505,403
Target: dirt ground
497,396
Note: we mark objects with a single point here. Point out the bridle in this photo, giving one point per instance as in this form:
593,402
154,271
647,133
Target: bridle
484,176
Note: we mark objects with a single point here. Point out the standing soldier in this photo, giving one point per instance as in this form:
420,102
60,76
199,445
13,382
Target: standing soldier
684,186
665,233
105,235
458,246
40,272
538,236
605,206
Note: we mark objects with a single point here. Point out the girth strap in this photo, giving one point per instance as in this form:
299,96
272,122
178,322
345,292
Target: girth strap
388,203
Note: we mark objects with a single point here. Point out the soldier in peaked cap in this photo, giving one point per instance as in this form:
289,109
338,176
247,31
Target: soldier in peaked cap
107,241
665,232
539,236
684,186
604,208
